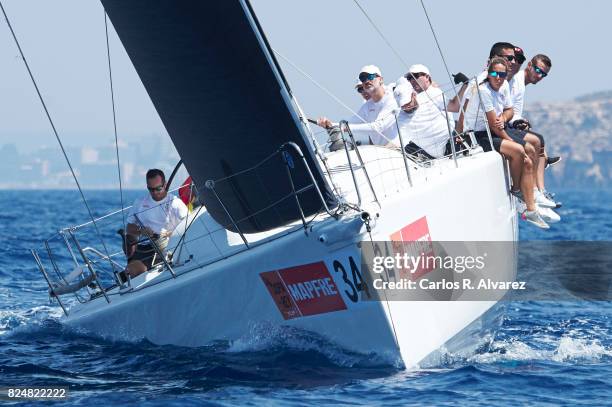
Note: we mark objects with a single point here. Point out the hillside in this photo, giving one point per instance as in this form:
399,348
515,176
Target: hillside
581,132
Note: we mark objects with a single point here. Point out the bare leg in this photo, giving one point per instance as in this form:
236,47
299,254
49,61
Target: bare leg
527,183
533,148
514,153
540,171
135,268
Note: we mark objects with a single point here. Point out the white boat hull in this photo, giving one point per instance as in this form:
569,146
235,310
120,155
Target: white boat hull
226,299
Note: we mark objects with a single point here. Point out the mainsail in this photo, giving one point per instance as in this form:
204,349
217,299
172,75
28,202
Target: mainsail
225,103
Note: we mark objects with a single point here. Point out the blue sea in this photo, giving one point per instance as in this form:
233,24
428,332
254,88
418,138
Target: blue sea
545,353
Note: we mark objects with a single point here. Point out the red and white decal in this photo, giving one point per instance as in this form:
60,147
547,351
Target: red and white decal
415,240
303,290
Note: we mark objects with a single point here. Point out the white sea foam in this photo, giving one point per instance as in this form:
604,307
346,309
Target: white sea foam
264,336
12,320
579,348
560,349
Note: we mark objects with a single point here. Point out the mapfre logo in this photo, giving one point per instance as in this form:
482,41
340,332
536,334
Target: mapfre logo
415,240
303,290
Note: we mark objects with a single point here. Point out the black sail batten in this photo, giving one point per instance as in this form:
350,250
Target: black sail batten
225,103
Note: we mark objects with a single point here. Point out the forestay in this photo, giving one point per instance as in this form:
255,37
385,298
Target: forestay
224,101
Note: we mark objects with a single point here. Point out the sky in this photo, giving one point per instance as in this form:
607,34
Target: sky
329,40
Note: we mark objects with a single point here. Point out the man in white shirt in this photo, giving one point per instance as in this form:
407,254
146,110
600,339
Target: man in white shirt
426,127
519,128
507,51
375,120
154,216
537,69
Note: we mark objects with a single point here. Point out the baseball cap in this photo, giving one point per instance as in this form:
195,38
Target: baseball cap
371,69
418,68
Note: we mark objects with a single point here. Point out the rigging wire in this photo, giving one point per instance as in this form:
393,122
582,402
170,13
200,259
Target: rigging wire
397,54
379,31
327,91
112,92
433,32
57,137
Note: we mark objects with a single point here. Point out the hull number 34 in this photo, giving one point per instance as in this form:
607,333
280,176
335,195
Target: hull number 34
309,289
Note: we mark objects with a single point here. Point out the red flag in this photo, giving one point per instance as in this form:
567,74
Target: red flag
185,191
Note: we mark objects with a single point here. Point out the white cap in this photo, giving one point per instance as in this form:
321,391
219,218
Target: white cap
371,69
418,68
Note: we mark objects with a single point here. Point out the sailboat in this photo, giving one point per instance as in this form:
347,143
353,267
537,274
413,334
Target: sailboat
277,238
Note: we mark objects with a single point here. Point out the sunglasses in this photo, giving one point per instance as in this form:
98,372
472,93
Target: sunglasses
497,74
539,71
360,89
158,188
364,76
414,76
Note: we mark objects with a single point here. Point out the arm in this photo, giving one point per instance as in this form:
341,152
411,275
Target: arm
503,118
454,103
372,131
492,120
135,230
412,105
130,239
507,114
356,118
459,126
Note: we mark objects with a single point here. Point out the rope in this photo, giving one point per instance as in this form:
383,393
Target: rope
59,141
381,34
112,92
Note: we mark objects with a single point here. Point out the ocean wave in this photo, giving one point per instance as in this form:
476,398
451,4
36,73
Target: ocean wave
265,337
566,349
12,321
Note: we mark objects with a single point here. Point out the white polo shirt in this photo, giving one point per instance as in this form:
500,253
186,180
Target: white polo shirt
428,125
474,118
160,216
517,93
470,89
378,118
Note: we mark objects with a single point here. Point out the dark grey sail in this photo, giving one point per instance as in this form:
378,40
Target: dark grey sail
223,99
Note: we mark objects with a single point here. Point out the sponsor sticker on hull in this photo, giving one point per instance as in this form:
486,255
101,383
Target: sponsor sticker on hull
303,290
414,239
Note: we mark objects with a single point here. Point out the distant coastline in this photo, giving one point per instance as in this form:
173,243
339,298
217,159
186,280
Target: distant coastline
579,130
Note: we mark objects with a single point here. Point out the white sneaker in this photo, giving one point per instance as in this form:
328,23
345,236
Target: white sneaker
551,196
542,201
534,218
549,215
